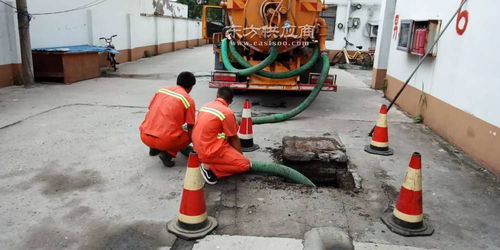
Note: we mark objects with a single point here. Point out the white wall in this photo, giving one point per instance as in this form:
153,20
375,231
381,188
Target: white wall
9,36
368,13
58,30
465,73
170,8
120,17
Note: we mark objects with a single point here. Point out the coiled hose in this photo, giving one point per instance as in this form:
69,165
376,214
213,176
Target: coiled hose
280,170
251,69
275,75
325,67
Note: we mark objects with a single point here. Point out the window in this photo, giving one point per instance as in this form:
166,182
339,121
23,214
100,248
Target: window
330,15
405,33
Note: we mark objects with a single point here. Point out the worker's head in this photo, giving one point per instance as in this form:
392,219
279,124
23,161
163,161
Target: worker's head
186,80
225,93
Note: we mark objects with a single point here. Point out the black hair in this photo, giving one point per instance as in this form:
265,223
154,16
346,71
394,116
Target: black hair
225,93
186,79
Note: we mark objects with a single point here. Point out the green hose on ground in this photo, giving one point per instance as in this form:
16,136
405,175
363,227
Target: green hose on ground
248,71
280,170
275,75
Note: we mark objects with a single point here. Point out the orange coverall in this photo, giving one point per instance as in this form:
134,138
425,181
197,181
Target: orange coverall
169,110
216,122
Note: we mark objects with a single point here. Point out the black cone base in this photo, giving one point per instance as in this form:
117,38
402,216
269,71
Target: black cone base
247,145
425,230
173,227
370,150
250,149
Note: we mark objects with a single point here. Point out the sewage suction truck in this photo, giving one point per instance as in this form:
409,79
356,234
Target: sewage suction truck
268,45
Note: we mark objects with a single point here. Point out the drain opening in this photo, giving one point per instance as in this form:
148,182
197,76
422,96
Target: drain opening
323,174
323,160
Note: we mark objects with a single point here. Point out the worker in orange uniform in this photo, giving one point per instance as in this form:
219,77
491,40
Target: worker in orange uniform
168,125
216,141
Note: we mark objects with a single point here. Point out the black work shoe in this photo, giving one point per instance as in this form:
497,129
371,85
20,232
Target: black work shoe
153,152
208,176
166,158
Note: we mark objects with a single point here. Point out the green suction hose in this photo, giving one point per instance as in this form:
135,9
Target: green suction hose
257,68
248,71
275,75
280,170
305,104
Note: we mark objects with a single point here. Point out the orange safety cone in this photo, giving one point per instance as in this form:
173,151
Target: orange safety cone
407,218
193,221
246,132
380,139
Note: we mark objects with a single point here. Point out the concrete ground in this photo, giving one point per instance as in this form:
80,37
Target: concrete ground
75,174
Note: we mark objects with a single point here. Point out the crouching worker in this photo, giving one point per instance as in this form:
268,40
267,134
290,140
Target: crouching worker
169,122
216,141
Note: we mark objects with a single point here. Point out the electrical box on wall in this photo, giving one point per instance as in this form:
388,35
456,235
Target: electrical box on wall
416,36
354,22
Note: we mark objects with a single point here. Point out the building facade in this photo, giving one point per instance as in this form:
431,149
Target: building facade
355,20
457,89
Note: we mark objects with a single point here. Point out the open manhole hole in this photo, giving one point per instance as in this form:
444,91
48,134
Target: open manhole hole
321,159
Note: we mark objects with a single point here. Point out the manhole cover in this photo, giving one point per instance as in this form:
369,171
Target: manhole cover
321,159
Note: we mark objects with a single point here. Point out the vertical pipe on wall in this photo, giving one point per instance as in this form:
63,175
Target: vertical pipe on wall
129,36
90,28
157,37
347,14
187,33
173,33
197,32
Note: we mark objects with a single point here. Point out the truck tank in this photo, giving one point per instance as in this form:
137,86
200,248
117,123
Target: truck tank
267,44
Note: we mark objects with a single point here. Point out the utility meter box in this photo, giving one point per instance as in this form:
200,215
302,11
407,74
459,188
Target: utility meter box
416,36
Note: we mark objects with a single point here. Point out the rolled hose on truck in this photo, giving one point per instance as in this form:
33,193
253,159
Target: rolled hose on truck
280,170
275,75
273,54
295,111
